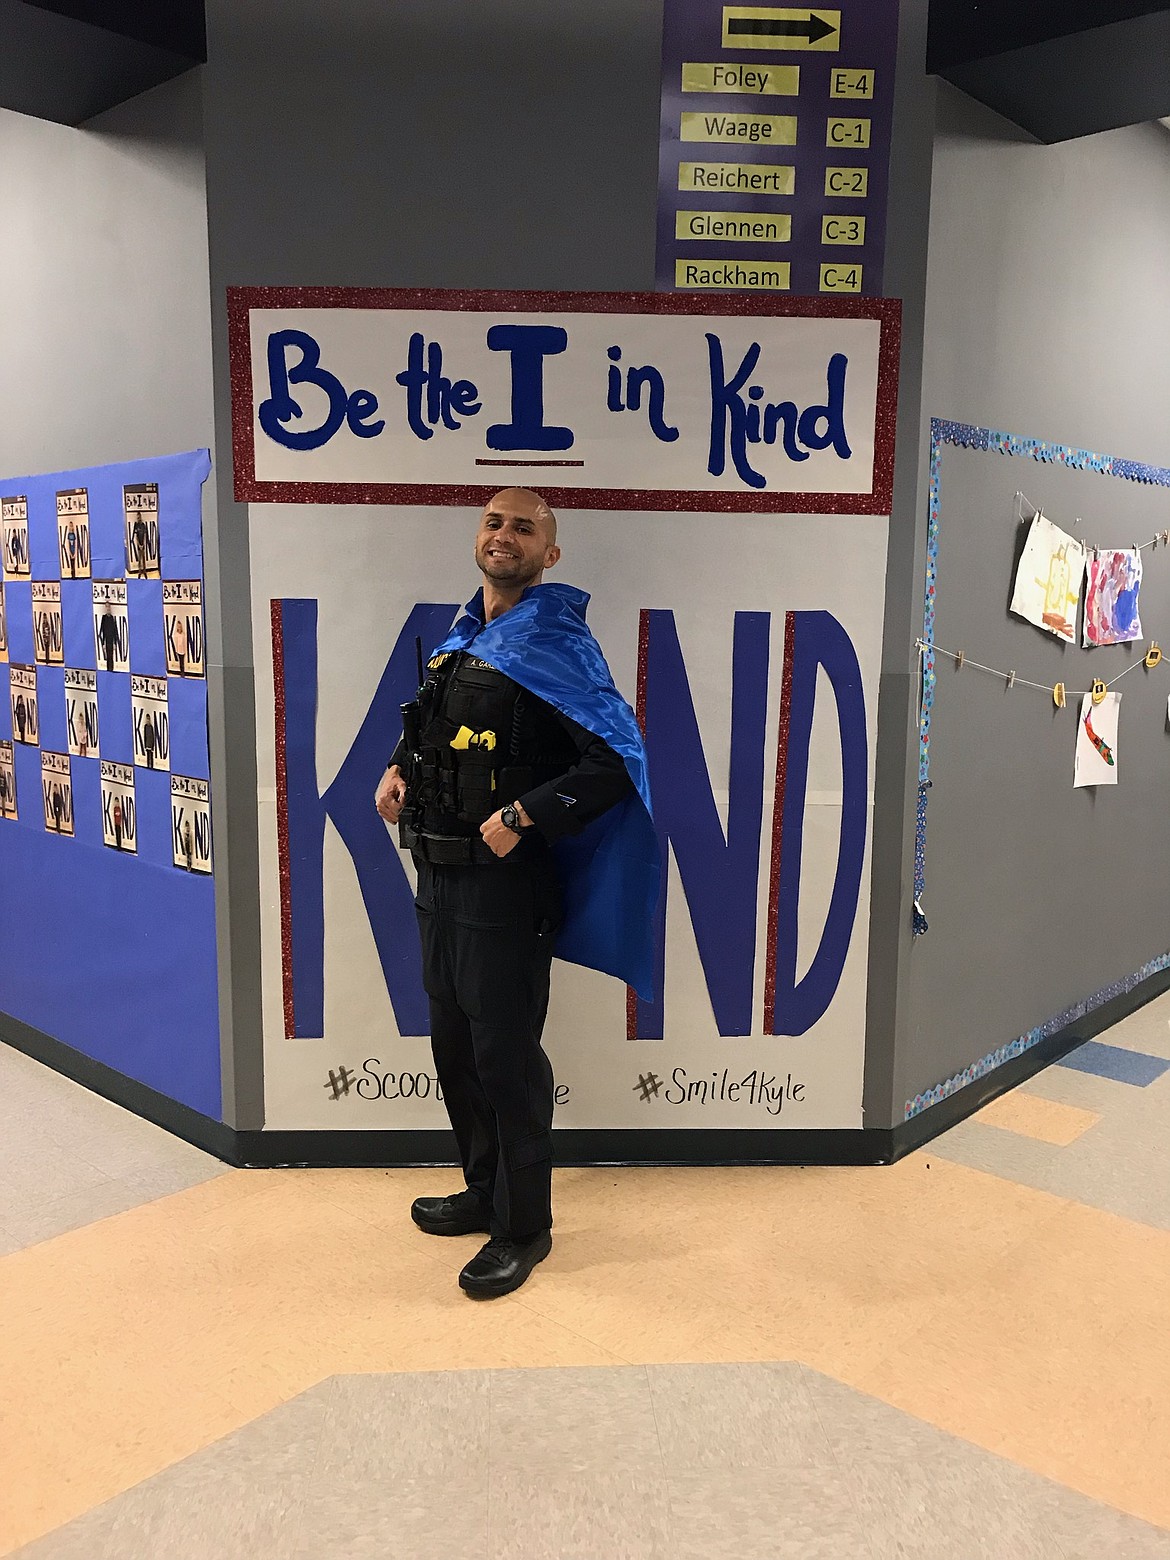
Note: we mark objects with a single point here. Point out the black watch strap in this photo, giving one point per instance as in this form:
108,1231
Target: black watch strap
511,818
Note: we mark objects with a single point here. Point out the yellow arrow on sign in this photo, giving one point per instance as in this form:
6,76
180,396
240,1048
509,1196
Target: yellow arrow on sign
778,28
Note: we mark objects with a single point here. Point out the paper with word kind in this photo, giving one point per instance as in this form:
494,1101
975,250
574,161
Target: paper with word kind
1049,580
1111,600
1096,760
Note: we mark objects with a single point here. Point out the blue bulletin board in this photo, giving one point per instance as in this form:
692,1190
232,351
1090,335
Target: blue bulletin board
107,912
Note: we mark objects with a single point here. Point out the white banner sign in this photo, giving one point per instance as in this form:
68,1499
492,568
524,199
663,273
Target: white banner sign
644,401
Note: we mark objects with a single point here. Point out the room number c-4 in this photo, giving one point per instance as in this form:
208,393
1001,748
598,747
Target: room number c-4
843,230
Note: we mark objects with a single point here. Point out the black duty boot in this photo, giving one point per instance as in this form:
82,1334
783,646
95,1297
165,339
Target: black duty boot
503,1265
464,1213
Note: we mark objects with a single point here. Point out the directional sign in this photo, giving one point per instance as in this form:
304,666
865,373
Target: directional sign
774,27
779,117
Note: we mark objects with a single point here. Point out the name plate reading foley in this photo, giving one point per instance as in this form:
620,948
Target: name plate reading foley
612,401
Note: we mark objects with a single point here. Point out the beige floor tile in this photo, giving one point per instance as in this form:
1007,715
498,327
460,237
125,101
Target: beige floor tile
860,1428
1002,1313
1030,1116
1058,1362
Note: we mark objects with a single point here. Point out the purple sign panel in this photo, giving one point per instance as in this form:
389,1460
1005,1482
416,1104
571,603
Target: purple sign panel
775,145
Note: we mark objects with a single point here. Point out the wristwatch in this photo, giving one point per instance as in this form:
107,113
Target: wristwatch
510,818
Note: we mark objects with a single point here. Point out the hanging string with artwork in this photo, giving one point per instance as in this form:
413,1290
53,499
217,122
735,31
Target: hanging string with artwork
1055,569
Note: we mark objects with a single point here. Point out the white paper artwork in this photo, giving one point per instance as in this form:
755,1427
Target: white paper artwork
1049,580
1096,762
1111,601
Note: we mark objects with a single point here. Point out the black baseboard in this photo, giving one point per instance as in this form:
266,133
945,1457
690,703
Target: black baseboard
574,1146
921,1129
190,1125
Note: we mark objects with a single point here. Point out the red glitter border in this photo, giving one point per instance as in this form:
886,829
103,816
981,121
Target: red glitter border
778,824
640,712
879,501
290,1026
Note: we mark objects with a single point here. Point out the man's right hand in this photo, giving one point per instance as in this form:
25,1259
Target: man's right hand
390,796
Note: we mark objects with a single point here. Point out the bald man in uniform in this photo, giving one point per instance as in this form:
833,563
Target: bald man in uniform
489,779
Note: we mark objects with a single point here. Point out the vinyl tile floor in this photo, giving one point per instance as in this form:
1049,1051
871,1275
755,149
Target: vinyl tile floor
962,1355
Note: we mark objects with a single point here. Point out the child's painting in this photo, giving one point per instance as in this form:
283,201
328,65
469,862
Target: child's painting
1096,761
1049,580
1111,601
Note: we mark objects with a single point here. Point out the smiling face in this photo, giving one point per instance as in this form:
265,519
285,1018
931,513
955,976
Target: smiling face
517,539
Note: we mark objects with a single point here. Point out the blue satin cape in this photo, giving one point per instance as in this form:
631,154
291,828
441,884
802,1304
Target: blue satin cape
610,871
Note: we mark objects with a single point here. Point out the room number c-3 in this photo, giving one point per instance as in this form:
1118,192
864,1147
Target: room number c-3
843,230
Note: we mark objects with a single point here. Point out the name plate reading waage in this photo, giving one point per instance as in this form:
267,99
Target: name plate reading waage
600,400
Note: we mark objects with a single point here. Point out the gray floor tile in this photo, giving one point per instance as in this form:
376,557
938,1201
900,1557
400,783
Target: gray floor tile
123,1145
88,1538
766,1514
573,1420
959,1504
36,1167
1068,1087
389,1427
737,1416
1112,1534
239,1499
1119,1166
542,1515
399,1519
39,1219
1145,1030
864,1429
9,1241
1087,1530
165,1180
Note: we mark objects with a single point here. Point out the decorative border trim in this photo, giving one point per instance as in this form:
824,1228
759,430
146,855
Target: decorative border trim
778,823
282,848
247,489
966,436
1045,1031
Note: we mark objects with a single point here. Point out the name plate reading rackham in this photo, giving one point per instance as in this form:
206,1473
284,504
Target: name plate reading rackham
602,400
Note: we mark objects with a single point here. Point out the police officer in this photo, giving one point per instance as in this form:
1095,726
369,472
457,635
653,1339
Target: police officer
486,778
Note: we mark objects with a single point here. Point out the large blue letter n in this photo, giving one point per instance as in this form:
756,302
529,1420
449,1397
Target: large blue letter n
719,869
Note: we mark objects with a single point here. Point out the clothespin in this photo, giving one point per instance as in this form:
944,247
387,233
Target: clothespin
960,657
1099,691
1153,655
1058,696
1011,679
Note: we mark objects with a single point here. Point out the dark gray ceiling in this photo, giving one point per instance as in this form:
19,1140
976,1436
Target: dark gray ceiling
67,60
1057,68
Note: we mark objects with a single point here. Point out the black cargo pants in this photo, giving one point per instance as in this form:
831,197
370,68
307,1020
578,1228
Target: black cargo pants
487,936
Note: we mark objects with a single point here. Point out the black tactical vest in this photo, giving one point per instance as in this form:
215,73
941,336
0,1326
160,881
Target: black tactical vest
476,741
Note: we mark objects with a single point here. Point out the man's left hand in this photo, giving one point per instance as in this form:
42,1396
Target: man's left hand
497,836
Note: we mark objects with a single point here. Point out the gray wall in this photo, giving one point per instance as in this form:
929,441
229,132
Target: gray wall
513,146
1048,316
104,310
